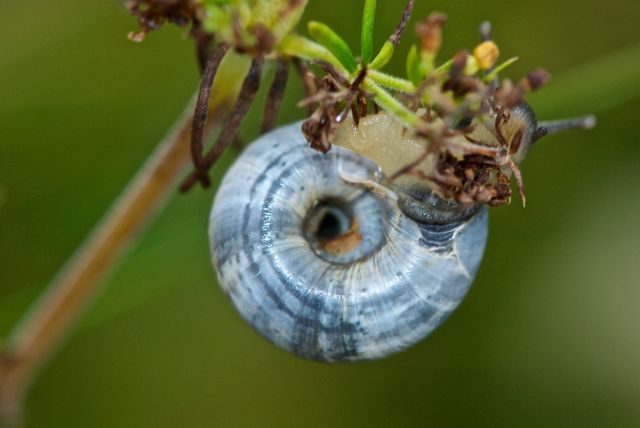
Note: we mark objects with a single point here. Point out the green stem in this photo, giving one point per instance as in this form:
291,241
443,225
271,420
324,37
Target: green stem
385,100
391,82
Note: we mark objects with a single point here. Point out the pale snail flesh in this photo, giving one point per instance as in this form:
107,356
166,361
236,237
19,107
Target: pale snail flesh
323,258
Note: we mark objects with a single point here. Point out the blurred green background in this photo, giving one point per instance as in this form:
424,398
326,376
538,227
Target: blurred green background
548,336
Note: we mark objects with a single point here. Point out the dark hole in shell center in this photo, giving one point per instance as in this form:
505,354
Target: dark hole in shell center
333,224
331,227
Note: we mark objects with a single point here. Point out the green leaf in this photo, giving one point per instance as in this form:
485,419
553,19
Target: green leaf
297,46
368,20
334,44
397,109
391,82
499,69
285,25
414,72
444,68
383,57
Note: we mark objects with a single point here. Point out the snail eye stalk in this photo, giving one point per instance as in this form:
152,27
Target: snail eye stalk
558,126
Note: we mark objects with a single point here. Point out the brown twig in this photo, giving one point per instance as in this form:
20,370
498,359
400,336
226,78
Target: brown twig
402,26
276,95
52,317
248,93
308,80
202,111
203,42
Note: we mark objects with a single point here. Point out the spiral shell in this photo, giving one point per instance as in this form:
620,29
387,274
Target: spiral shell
325,260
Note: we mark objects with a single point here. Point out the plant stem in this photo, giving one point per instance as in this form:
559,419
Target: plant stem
54,314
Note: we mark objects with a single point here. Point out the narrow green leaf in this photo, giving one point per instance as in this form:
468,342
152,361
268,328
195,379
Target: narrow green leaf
397,109
368,20
383,57
391,82
297,46
328,38
499,69
413,66
445,67
286,25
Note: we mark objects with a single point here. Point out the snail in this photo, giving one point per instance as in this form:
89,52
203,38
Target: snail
327,261
328,258
351,236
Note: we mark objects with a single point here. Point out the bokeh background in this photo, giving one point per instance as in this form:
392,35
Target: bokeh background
548,336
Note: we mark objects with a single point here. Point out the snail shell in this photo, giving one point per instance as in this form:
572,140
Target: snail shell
325,260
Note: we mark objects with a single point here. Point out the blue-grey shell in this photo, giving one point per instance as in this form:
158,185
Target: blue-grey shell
395,288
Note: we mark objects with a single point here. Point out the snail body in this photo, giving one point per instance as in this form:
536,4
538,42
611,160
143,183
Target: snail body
328,261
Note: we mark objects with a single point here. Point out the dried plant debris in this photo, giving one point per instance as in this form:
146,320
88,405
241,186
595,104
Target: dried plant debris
153,14
473,129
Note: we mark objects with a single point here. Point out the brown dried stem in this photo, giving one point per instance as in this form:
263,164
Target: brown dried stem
402,26
202,111
308,80
247,95
276,95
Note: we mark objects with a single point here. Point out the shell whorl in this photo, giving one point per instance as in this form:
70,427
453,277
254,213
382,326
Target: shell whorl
385,283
